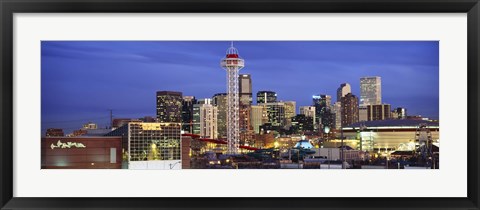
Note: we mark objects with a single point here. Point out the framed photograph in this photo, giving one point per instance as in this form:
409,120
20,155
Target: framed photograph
239,105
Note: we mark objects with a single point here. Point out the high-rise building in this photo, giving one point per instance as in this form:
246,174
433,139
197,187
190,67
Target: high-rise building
401,113
301,123
337,110
258,117
187,113
246,129
308,111
290,111
169,106
204,101
276,113
205,119
343,90
324,115
245,88
220,101
266,97
378,112
245,120
349,109
153,145
322,103
370,91
362,113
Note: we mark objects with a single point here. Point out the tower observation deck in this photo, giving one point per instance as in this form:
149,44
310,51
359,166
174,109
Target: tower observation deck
232,63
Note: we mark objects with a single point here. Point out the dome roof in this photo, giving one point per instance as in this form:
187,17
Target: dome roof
232,52
305,144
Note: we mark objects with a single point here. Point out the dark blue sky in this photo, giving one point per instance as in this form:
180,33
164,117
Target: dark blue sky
82,80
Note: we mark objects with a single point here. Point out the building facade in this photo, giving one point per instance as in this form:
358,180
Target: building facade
349,110
301,124
81,152
245,89
343,90
169,106
258,117
187,113
401,113
362,113
266,97
370,91
337,110
324,115
245,118
378,112
219,100
205,117
290,112
276,113
153,145
308,111
383,135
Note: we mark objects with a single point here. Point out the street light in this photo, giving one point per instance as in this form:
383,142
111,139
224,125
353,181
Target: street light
341,147
326,130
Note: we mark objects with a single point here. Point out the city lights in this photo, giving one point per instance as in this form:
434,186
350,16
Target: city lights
350,115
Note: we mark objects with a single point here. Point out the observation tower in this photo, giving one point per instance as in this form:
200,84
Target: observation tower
232,63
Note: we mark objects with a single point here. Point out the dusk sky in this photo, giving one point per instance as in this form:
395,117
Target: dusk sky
82,80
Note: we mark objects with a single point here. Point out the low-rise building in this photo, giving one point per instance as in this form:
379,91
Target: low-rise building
93,152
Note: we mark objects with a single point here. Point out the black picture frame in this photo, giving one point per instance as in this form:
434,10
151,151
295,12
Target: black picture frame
10,7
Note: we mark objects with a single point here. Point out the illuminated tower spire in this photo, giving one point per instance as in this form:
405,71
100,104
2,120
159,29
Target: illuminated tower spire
232,63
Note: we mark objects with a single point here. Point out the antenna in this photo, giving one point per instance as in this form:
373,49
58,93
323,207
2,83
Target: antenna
111,119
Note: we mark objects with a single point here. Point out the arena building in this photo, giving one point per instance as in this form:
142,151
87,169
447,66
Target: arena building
401,134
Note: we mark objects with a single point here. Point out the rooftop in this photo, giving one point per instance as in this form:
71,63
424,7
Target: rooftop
393,123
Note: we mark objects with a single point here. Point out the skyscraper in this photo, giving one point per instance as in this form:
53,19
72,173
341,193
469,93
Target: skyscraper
370,91
323,115
322,102
301,124
245,120
205,119
349,109
337,110
290,111
245,125
187,113
220,101
266,97
308,111
400,112
245,88
169,106
258,117
343,90
276,113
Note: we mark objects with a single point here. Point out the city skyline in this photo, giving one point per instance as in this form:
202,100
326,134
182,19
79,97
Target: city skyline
124,76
